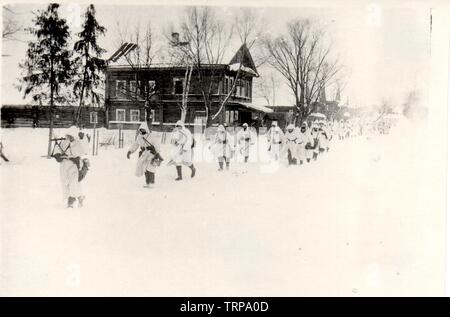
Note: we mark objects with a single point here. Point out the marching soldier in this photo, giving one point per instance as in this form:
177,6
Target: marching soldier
275,138
182,149
72,168
291,146
223,147
245,139
149,157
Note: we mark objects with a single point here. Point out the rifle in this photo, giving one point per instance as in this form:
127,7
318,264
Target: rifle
157,159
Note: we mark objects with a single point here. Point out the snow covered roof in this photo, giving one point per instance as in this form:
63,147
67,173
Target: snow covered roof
235,68
244,58
161,66
256,107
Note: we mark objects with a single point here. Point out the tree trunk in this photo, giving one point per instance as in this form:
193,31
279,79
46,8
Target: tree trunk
148,118
183,115
185,96
80,105
50,131
208,117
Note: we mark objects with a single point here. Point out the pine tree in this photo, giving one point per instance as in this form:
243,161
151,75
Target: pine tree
47,68
88,61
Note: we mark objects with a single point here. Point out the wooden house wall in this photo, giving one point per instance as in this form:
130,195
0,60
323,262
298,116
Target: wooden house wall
33,116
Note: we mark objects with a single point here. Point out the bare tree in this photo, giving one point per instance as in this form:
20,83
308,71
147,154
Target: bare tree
179,56
304,60
266,88
11,27
249,30
384,109
143,50
206,39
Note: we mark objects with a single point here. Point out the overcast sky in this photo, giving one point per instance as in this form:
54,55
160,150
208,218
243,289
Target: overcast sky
385,50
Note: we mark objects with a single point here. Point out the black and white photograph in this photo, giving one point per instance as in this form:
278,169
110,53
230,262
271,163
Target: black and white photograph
224,148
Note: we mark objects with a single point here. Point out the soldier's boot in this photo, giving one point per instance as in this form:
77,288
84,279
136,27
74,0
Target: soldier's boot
70,202
289,157
179,173
220,166
149,179
192,170
80,201
228,165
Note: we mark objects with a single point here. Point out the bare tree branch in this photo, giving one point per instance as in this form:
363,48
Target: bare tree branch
302,58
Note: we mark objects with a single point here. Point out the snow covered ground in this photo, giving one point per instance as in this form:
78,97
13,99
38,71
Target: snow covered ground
357,222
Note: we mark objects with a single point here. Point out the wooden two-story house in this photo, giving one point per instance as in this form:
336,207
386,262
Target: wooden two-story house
135,93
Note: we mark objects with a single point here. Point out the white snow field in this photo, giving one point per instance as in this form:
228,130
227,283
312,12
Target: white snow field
358,222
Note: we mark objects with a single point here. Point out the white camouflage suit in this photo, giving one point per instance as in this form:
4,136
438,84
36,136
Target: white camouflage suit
324,138
244,139
314,135
303,138
69,171
291,143
144,162
275,138
223,145
181,141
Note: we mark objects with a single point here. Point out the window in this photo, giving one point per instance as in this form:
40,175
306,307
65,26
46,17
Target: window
121,88
151,86
153,116
134,115
231,116
219,87
93,117
133,88
178,86
244,88
120,114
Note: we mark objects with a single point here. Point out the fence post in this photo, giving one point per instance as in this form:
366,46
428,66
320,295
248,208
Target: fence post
94,139
120,136
96,142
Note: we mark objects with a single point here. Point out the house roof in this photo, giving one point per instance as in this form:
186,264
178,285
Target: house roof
157,66
244,58
241,60
256,107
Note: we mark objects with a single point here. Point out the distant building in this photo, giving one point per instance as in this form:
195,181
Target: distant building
127,94
14,116
282,114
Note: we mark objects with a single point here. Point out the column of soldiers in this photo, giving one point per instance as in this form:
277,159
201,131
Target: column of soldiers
299,145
